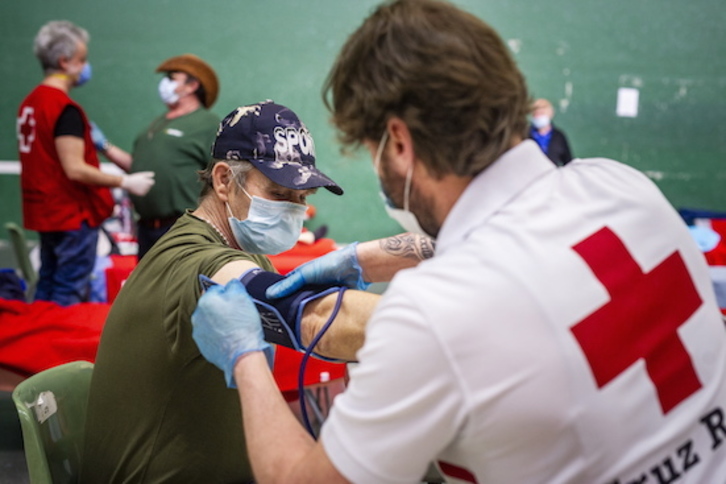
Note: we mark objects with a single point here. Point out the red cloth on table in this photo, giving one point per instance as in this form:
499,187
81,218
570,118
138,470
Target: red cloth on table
41,335
301,253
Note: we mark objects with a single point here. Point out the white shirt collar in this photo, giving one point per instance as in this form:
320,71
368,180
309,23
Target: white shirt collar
492,189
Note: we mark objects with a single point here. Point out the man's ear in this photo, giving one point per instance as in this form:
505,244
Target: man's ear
401,152
62,63
221,178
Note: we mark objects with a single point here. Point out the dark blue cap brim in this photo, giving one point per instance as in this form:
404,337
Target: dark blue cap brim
296,176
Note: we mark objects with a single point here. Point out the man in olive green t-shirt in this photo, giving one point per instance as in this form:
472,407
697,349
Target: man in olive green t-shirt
158,411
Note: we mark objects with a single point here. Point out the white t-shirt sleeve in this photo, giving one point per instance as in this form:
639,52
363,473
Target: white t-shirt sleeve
403,405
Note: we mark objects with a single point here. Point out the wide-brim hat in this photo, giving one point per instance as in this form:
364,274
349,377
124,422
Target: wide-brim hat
276,142
194,66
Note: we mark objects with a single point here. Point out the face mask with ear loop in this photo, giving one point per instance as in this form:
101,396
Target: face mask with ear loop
541,121
405,218
271,227
85,75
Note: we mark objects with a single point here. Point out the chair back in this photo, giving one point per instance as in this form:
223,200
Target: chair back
22,255
52,409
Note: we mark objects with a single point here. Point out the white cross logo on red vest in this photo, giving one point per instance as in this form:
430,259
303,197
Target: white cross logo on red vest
26,129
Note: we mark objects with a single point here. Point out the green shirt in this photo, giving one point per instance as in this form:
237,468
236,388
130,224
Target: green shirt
158,411
174,149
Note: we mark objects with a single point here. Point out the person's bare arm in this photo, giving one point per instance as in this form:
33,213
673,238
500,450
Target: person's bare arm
113,153
358,264
118,157
232,270
381,259
70,151
279,449
373,261
345,335
229,334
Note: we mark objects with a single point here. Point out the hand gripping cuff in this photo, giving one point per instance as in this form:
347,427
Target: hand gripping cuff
281,318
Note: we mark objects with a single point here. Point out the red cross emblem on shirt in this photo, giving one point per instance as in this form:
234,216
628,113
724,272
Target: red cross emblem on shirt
26,129
641,319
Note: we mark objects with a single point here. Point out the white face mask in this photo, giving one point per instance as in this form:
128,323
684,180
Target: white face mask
541,121
405,218
271,227
167,90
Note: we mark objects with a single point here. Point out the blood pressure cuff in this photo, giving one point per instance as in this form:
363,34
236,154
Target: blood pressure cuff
280,317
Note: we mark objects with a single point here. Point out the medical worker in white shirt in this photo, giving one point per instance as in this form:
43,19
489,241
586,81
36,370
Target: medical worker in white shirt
566,329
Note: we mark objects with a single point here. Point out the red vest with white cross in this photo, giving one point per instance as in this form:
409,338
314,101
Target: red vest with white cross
51,201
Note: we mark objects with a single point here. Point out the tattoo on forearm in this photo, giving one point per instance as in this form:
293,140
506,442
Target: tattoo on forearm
412,246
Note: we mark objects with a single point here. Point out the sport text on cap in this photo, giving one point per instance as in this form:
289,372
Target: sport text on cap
276,142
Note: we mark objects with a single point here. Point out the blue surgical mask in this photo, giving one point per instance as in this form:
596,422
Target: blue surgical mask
271,226
403,216
167,90
85,75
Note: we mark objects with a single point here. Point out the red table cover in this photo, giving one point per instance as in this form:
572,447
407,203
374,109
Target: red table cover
38,336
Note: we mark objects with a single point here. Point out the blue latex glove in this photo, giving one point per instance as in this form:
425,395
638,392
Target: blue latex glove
226,325
706,238
99,139
339,267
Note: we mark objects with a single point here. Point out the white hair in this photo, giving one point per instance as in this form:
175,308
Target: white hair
57,39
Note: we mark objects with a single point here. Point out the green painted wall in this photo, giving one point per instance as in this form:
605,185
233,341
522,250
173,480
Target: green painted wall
576,53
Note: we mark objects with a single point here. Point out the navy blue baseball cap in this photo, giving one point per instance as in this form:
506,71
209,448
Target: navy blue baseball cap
276,142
